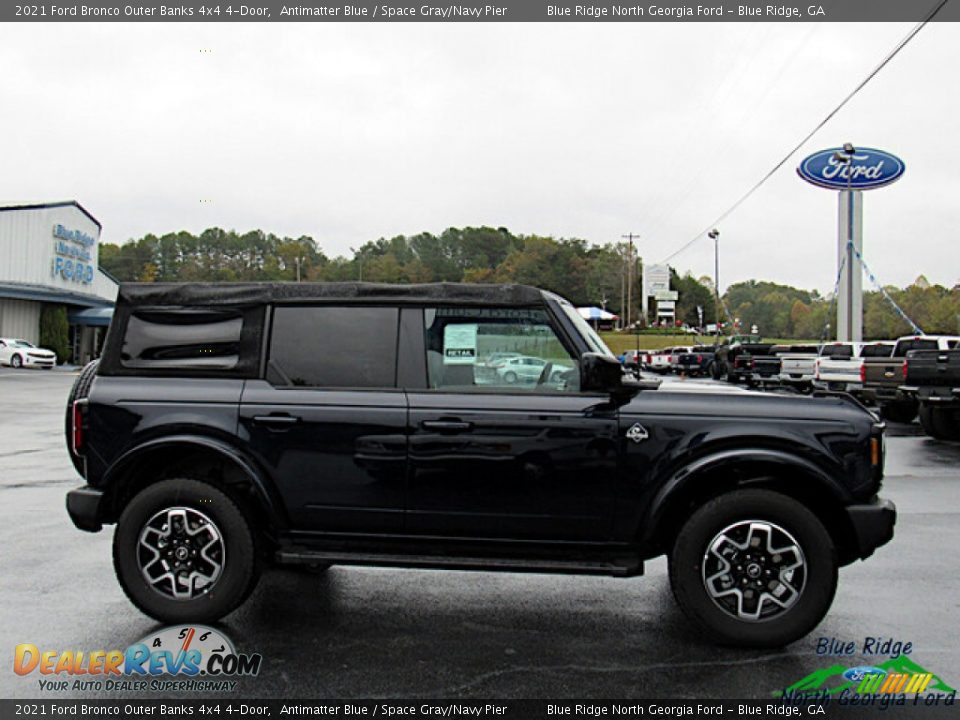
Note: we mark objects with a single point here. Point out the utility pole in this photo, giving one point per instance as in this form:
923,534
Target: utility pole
715,234
629,237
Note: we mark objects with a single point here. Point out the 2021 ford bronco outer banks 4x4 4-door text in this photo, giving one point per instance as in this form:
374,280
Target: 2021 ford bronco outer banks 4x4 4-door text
317,424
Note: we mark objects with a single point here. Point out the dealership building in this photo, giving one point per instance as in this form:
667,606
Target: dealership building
49,256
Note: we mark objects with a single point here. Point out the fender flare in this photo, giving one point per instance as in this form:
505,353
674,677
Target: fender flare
268,498
689,475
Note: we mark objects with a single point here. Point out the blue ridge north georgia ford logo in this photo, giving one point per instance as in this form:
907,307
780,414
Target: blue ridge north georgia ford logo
869,169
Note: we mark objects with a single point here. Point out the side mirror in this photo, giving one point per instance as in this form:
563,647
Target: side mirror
601,373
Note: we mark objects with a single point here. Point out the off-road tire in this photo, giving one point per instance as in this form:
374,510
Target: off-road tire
241,566
80,390
687,558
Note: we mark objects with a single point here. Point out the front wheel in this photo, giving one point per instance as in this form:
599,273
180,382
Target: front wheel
183,552
16,362
510,377
754,568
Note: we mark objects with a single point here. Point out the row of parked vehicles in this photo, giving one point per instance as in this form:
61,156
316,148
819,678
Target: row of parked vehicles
914,375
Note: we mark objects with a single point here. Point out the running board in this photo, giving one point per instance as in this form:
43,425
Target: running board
617,567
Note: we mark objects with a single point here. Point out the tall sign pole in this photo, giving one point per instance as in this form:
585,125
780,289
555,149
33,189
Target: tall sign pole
850,170
849,246
630,237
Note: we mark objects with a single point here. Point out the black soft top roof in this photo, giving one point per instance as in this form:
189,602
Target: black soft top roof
208,294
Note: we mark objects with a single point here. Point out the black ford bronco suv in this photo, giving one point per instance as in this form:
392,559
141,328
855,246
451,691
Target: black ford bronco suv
482,427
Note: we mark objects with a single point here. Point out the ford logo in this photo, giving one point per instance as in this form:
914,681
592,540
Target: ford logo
856,674
869,169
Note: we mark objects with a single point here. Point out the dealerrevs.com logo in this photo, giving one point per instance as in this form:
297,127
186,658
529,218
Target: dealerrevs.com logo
200,658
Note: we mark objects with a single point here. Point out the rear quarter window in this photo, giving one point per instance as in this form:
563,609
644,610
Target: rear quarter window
184,342
182,339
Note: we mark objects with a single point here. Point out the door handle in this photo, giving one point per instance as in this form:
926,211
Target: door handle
450,426
276,422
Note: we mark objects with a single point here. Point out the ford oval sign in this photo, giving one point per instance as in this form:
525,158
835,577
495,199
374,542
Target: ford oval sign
869,169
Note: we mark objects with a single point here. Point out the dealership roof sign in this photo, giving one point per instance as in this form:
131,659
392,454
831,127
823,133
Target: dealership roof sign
869,169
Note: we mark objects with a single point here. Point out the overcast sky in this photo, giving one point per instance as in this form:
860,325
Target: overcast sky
355,131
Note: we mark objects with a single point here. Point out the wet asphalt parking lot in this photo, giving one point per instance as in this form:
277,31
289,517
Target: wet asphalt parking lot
369,633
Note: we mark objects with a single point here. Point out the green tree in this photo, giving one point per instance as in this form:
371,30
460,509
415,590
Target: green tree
55,331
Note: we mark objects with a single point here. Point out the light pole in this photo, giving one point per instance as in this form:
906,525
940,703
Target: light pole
715,236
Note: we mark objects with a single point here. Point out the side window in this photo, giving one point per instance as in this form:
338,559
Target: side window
182,339
496,349
333,347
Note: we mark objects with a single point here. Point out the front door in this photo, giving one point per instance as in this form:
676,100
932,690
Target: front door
502,443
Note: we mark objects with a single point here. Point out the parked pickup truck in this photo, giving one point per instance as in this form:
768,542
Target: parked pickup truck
662,361
761,365
696,363
307,424
882,377
933,380
840,365
797,365
735,360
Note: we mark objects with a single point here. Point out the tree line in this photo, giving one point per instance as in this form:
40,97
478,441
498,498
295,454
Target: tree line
585,273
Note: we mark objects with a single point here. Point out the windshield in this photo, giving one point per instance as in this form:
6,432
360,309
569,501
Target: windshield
21,343
593,340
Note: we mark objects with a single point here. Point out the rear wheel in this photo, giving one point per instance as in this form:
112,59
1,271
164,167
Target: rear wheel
754,568
940,423
902,411
183,552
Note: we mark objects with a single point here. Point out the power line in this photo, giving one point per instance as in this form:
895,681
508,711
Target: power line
892,54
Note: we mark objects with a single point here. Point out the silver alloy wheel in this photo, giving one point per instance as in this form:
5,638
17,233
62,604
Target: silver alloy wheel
754,570
181,553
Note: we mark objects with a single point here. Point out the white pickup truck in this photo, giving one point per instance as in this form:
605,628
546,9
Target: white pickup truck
840,365
797,365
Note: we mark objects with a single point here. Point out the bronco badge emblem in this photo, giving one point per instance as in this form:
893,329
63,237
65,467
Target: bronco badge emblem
637,433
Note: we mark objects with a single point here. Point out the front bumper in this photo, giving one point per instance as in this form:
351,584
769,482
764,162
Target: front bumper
83,506
872,525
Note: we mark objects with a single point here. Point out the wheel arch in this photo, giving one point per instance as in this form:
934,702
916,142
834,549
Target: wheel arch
201,458
771,469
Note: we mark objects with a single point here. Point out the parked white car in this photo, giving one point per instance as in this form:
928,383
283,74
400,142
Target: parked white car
526,370
20,353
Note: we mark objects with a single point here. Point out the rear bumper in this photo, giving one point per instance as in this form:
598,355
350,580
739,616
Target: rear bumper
872,525
83,506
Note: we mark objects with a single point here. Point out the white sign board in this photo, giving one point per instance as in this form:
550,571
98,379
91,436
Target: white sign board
460,344
662,295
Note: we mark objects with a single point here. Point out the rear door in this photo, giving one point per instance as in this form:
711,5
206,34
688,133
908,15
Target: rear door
328,421
497,455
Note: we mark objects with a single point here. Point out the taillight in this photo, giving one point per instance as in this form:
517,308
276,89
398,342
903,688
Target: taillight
699,359
669,358
903,368
77,427
752,363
